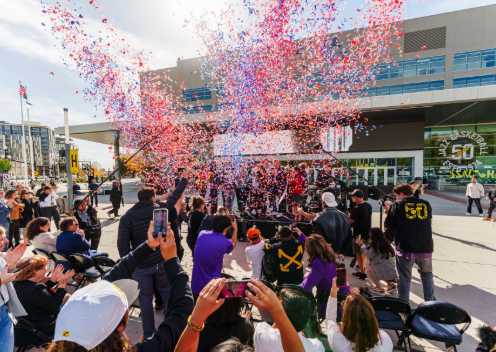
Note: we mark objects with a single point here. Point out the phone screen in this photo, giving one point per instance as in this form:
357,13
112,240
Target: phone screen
181,169
233,289
160,217
341,277
20,267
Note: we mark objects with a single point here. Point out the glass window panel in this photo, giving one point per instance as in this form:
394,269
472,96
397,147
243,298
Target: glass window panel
473,66
437,58
409,88
460,67
436,84
423,65
390,177
409,68
459,82
409,62
423,87
487,80
459,61
382,91
409,73
488,63
382,76
424,60
437,70
473,81
393,90
488,52
474,53
437,64
460,56
490,57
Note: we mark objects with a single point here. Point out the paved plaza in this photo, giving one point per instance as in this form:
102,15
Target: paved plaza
464,262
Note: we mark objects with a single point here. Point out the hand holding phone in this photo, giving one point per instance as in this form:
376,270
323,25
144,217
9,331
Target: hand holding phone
160,219
19,267
341,277
234,289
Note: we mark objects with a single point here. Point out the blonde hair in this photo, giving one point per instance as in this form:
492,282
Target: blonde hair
113,343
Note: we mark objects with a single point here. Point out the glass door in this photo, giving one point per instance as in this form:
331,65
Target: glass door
380,177
371,176
361,174
391,176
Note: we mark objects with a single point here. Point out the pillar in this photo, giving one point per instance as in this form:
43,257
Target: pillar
117,156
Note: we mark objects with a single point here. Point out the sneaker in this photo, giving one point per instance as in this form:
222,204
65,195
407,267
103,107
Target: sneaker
357,267
481,215
360,276
468,214
494,220
159,308
392,289
487,219
378,291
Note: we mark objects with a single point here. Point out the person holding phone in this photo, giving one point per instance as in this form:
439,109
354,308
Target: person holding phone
8,296
359,330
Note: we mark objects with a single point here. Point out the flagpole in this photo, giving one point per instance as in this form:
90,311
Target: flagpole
23,142
30,141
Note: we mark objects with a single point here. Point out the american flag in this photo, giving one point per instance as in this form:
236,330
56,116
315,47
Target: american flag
22,90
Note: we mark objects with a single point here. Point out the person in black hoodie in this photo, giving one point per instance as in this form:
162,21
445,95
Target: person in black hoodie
196,217
410,218
133,232
180,304
115,198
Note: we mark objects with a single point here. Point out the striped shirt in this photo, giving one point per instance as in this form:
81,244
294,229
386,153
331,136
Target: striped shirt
475,190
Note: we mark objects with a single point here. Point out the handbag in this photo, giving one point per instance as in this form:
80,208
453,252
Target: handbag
94,229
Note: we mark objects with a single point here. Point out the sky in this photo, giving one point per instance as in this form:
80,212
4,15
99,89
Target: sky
28,54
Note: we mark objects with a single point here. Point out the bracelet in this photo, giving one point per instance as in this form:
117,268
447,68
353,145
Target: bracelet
195,328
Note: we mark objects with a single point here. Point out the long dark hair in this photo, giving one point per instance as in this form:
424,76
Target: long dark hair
317,247
228,313
380,244
33,227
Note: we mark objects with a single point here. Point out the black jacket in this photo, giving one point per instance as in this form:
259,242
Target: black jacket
180,304
195,220
335,227
27,214
76,188
134,224
492,194
42,306
115,194
92,213
410,218
288,256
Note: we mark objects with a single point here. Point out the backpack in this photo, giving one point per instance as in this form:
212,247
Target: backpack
269,268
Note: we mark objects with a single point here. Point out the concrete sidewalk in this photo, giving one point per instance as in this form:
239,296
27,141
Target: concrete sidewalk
464,262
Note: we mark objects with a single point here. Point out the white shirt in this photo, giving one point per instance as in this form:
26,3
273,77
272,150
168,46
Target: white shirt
339,343
49,201
254,255
475,190
3,288
267,339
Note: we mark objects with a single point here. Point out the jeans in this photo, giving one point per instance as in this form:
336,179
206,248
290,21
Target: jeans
404,268
146,278
6,330
492,205
49,212
477,203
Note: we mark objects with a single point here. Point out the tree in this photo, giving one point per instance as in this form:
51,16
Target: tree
5,165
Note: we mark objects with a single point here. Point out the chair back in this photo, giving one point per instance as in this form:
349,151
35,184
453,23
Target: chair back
43,253
324,297
24,325
103,262
61,257
390,304
443,313
82,262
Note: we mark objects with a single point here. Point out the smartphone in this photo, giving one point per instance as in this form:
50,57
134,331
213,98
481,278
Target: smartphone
19,267
341,277
234,289
160,218
176,181
293,226
181,169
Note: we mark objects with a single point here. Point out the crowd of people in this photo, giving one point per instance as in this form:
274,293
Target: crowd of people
94,318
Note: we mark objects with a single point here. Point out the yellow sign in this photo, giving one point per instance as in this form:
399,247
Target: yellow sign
36,174
74,161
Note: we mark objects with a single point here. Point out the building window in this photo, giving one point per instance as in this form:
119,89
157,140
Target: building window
475,81
197,94
409,68
198,109
404,88
474,59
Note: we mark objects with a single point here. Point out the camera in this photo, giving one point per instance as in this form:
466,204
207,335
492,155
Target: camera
386,200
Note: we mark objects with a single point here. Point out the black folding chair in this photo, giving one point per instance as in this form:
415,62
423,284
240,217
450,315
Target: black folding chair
437,321
23,325
43,253
324,297
103,264
387,312
86,268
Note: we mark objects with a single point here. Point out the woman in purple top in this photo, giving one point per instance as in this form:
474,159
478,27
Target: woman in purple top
323,265
209,252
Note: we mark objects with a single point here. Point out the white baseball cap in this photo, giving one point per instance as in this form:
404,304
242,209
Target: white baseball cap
94,312
329,199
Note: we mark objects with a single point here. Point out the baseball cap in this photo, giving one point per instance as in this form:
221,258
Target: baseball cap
329,199
94,312
252,233
357,193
